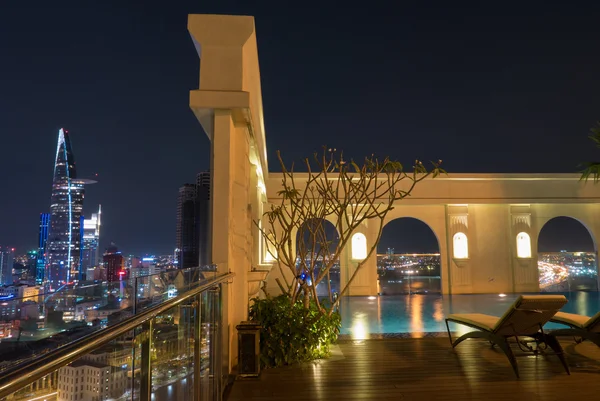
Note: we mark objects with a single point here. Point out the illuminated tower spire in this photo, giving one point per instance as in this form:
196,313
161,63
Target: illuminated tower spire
64,234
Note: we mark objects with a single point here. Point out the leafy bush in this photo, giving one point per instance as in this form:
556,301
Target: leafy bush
292,333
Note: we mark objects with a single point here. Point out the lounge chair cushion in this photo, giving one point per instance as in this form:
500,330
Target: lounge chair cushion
571,319
592,324
479,320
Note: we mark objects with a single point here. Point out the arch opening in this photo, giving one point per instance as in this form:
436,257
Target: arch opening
316,242
408,258
567,259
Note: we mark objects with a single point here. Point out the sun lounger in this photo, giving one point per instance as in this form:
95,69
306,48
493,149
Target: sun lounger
524,318
587,328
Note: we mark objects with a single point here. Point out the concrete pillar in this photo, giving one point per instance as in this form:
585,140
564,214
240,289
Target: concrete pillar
365,282
228,105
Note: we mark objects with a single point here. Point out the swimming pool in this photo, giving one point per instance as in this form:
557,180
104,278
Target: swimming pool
423,315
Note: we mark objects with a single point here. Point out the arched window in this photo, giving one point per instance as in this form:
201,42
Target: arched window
359,246
461,246
523,245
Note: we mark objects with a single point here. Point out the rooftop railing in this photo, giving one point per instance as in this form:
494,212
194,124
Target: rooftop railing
168,348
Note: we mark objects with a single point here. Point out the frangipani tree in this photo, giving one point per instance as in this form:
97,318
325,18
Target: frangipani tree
345,193
592,168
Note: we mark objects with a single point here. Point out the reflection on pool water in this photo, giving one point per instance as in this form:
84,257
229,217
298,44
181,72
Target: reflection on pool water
363,317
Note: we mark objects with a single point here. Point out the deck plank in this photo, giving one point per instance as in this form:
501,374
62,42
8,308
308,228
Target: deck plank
428,369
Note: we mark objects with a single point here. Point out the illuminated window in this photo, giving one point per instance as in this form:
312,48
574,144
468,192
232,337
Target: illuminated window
461,246
523,245
359,246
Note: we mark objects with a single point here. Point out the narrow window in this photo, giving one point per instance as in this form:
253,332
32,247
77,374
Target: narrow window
461,246
523,245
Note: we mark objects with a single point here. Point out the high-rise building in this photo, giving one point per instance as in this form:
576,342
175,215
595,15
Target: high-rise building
63,248
31,266
89,247
7,262
42,239
193,223
114,263
187,235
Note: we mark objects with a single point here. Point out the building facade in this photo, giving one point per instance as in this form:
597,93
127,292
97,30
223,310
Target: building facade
193,222
186,234
42,239
7,261
114,263
63,246
90,242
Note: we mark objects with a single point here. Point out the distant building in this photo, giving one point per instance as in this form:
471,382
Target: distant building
187,234
114,263
89,248
42,239
7,261
87,380
31,265
193,224
63,248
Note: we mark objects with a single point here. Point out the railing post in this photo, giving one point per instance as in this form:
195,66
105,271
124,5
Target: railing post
198,348
146,368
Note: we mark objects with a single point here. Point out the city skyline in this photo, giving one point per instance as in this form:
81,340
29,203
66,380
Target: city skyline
430,91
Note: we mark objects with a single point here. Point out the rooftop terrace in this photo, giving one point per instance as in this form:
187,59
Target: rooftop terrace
428,369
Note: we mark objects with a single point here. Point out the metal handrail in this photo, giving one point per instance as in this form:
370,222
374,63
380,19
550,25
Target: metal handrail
23,375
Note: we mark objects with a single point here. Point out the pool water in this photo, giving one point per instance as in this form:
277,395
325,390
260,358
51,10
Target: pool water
423,314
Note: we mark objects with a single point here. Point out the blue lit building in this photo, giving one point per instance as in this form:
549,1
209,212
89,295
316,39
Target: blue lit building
7,261
40,271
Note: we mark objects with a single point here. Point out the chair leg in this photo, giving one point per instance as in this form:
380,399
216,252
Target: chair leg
505,347
449,335
553,343
502,342
585,335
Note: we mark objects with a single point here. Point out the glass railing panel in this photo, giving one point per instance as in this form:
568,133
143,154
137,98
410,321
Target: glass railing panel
48,318
106,373
176,354
172,353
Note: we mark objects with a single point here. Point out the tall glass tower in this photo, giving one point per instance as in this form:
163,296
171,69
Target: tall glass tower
89,246
63,247
41,255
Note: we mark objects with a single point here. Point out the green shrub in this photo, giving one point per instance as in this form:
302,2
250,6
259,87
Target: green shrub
292,333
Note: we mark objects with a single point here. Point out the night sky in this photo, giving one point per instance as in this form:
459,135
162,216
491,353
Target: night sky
491,88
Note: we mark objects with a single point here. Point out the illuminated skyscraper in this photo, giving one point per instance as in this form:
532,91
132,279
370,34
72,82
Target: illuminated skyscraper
7,261
41,255
114,263
89,248
63,248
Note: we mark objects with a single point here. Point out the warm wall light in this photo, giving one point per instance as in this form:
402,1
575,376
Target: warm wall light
523,245
359,246
461,246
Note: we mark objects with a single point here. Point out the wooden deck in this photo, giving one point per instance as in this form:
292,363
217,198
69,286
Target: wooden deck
428,369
